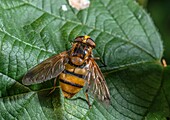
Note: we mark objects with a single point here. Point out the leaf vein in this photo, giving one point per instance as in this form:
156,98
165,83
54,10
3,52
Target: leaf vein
146,51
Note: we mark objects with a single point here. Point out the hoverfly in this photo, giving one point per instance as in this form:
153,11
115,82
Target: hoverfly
75,68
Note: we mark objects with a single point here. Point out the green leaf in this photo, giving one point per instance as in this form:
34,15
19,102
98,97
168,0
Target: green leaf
127,42
160,107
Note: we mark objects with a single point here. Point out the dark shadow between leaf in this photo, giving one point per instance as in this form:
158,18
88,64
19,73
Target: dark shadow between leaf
51,104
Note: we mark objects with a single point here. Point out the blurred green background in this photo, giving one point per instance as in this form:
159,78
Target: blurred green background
159,10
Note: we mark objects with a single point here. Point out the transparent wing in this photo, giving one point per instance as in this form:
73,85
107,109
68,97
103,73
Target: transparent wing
96,82
46,70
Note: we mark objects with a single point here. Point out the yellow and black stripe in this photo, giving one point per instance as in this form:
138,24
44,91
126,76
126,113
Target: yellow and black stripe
72,80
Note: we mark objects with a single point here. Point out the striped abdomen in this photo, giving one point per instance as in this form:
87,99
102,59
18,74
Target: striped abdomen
71,80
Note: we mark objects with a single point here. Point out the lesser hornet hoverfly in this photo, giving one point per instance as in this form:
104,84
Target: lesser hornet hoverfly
76,68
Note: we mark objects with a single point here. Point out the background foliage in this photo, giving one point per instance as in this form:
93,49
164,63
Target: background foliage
159,10
127,42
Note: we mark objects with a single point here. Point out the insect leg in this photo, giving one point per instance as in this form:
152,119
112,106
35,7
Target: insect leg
87,98
98,58
55,80
88,86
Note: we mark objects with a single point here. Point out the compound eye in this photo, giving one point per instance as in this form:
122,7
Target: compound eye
91,43
78,39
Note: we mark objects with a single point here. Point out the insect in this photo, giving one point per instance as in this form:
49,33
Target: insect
75,69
